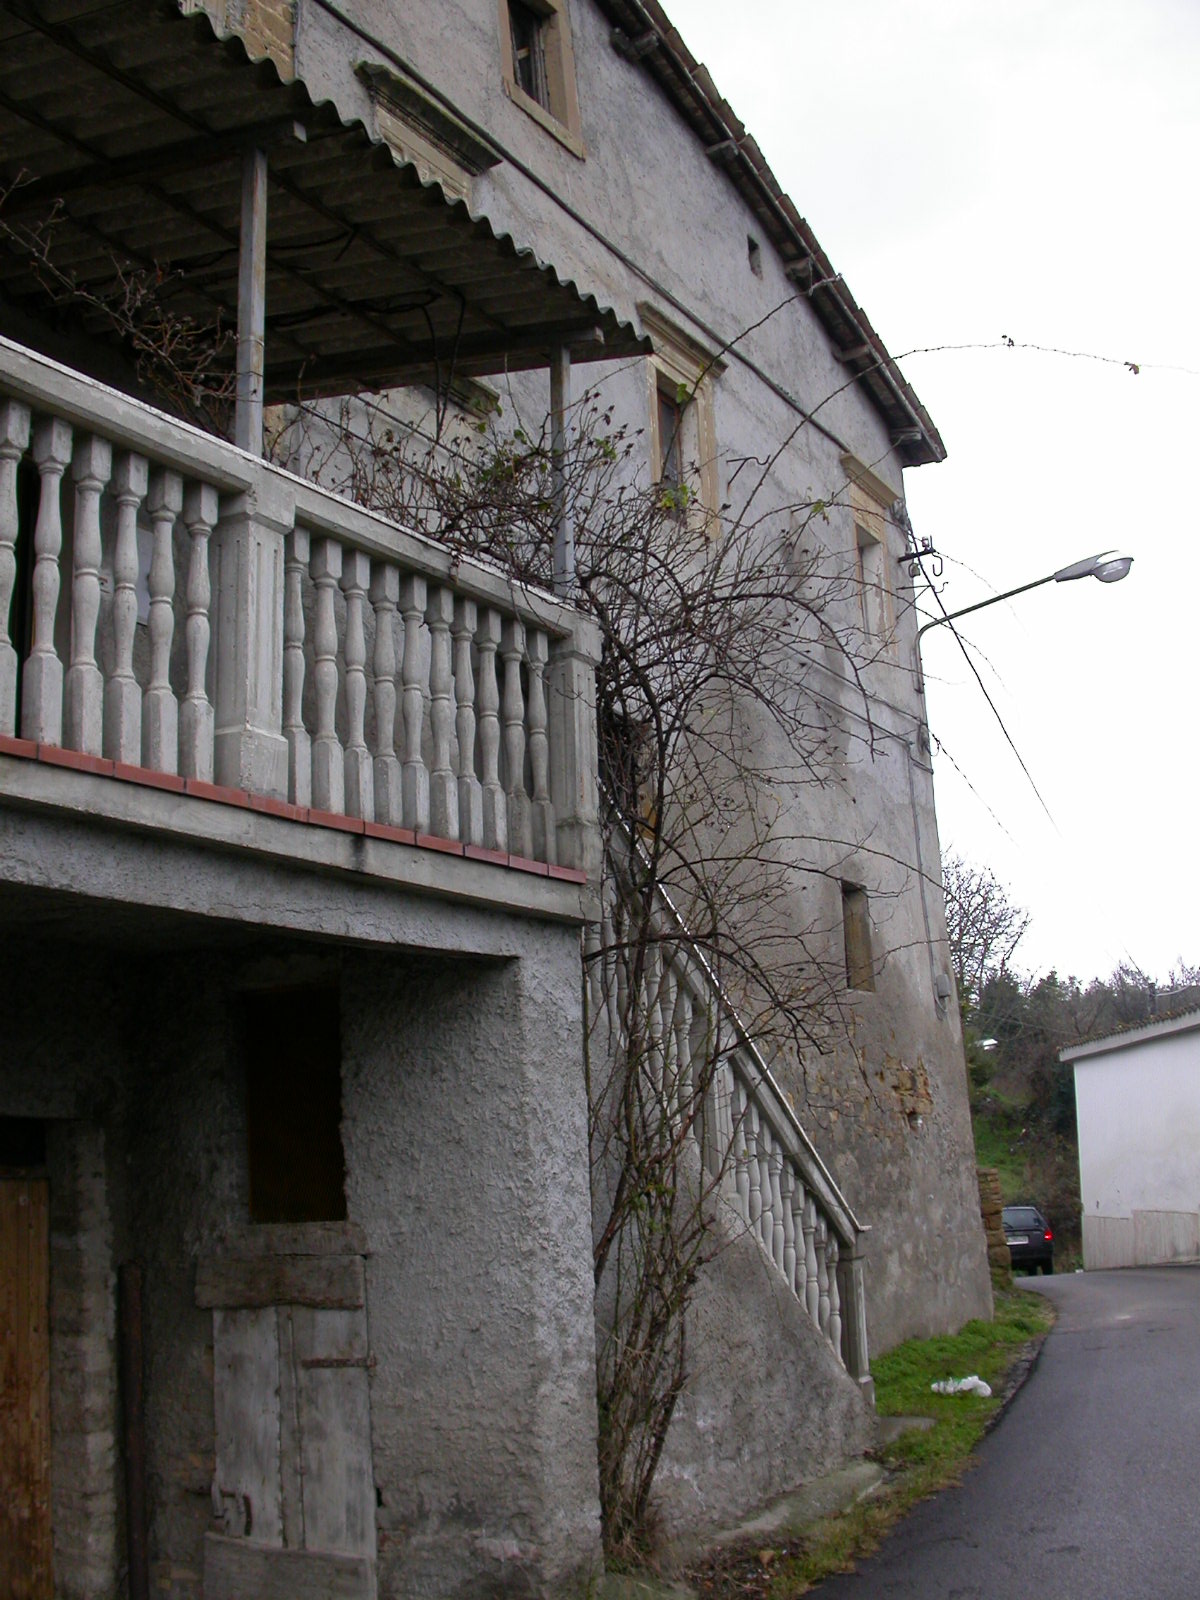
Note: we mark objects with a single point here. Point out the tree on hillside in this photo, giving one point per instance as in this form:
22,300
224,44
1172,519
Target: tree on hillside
983,925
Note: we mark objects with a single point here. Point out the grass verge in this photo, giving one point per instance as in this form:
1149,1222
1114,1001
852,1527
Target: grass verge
918,1463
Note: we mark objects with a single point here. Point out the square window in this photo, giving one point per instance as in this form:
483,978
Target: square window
291,1045
856,935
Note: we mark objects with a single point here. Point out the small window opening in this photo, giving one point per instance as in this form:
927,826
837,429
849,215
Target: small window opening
754,251
291,1040
529,51
856,931
670,449
22,1143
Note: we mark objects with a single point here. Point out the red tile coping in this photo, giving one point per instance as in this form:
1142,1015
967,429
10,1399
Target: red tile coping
480,852
569,874
525,864
268,805
333,819
216,791
385,830
57,756
430,841
272,807
147,776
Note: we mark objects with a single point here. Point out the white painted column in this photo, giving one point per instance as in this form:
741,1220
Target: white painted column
252,305
574,761
560,448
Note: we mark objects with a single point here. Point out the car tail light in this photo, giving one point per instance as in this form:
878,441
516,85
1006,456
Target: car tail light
1047,1235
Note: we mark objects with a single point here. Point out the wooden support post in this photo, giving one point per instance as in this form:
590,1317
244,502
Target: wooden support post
560,445
252,304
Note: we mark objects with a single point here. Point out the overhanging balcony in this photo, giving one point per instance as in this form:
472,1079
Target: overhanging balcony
196,642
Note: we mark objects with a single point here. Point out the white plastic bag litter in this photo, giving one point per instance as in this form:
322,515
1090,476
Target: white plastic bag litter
971,1385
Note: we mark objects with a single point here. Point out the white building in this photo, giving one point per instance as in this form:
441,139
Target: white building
1137,1101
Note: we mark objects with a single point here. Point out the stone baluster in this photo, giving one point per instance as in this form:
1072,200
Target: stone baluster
835,1302
359,787
414,775
544,839
655,1055
443,781
685,1081
160,709
520,819
778,1230
754,1165
42,682
122,693
14,439
822,1236
800,1279
200,502
739,1144
812,1291
84,704
385,597
470,790
297,555
328,764
495,810
766,1144
608,964
787,1200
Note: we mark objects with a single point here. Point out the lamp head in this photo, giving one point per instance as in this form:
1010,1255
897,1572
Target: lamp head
1108,566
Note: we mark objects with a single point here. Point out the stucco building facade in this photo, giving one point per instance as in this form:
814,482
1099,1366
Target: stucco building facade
299,813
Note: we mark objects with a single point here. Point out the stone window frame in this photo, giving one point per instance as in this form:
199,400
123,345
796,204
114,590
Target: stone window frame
857,942
685,372
560,116
871,502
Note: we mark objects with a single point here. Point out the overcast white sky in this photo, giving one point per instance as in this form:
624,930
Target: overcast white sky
1030,170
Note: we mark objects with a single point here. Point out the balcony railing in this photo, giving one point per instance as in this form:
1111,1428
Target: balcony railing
748,1140
170,605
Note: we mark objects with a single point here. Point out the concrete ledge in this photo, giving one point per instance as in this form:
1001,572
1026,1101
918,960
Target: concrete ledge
207,815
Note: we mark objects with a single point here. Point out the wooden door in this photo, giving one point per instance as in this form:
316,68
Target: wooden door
25,1549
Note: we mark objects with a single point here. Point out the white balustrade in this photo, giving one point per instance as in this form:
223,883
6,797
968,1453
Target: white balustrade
748,1142
200,613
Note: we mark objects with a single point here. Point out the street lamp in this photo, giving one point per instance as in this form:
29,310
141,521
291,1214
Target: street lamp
1108,567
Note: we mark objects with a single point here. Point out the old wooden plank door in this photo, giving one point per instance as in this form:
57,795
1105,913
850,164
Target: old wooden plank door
25,1548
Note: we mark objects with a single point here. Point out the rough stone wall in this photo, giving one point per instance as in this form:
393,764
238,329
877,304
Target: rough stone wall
991,1208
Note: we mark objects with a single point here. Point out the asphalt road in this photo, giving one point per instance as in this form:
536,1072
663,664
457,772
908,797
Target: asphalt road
1089,1488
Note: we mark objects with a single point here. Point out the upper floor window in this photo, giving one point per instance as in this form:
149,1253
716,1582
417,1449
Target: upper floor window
539,66
870,504
683,434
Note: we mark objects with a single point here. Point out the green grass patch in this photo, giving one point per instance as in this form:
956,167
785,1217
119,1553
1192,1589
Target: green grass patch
918,1463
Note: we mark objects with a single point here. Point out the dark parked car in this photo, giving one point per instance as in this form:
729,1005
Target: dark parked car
1030,1241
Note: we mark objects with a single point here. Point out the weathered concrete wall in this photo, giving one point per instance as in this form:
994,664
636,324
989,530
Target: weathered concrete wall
766,1406
466,1148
